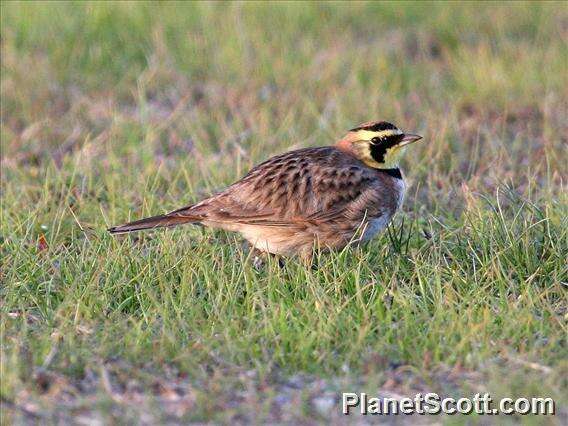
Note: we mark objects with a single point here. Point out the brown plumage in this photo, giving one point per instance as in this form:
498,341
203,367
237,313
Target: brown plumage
326,196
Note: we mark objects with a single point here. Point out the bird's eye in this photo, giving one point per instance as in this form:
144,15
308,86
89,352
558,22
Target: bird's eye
375,140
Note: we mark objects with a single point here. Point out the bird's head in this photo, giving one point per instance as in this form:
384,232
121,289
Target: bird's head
377,143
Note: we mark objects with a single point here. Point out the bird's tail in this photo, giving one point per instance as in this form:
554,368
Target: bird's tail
165,220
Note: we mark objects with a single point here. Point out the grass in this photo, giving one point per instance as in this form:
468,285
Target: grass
113,111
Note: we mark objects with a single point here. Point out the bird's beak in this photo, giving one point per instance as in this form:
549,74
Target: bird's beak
409,138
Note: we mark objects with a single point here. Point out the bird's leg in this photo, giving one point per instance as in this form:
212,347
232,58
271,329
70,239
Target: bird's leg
259,258
309,259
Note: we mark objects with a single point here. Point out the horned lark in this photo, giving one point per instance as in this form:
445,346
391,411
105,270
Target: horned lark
293,202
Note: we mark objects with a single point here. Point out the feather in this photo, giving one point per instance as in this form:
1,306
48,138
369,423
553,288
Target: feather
161,221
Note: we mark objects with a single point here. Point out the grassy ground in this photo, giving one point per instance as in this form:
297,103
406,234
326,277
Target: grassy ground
115,111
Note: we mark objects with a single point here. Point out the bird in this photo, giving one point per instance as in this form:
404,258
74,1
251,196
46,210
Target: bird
312,198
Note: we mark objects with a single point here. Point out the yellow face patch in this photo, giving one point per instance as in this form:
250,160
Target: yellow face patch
367,140
391,157
367,135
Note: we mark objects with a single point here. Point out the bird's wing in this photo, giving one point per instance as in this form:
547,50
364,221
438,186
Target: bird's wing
305,186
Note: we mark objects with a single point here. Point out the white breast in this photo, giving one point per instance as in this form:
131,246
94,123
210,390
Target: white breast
401,186
374,226
378,224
